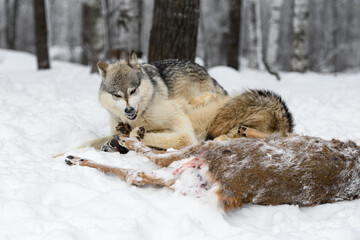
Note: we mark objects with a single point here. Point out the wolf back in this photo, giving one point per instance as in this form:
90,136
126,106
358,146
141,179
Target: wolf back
183,78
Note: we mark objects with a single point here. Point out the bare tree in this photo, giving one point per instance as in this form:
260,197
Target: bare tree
139,20
270,61
93,35
255,36
174,30
41,34
274,32
233,41
335,34
11,9
85,57
107,33
299,60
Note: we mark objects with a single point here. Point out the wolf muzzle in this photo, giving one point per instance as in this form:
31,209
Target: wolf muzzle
130,113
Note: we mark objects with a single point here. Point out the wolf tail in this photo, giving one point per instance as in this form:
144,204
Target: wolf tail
262,110
95,143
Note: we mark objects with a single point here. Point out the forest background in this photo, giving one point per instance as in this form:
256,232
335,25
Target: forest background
322,34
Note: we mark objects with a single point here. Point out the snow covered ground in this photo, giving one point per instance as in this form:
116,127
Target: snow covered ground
47,112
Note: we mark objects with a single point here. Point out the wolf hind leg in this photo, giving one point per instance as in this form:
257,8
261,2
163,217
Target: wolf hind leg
202,99
181,135
166,140
130,176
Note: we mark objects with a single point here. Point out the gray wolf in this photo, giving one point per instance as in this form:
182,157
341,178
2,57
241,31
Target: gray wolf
175,103
154,97
299,170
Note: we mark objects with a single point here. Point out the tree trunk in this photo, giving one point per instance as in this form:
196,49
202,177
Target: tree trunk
11,17
335,34
174,30
41,34
254,41
299,61
233,41
93,35
259,50
274,32
86,56
139,20
107,32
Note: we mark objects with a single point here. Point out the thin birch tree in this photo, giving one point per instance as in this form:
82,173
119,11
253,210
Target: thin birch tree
299,60
255,35
274,32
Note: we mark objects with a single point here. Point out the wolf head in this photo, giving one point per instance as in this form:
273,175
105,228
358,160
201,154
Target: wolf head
123,86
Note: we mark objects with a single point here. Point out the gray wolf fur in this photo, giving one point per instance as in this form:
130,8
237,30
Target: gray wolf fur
154,96
262,110
175,103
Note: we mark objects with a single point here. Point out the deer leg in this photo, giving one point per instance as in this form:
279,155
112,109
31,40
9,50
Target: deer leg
112,145
130,176
160,158
222,138
243,131
251,132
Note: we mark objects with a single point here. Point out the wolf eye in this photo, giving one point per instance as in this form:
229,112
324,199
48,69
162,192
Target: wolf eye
133,91
117,95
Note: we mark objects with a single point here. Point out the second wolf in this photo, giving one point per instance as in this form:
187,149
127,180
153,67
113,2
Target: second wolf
175,103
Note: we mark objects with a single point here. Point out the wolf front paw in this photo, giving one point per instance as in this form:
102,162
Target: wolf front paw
123,129
138,133
72,160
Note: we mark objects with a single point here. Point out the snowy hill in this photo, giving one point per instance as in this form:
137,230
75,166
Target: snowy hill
48,112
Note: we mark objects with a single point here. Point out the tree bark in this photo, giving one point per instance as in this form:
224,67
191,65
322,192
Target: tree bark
260,55
299,61
254,40
335,34
85,56
41,34
93,35
174,30
11,21
107,32
139,20
274,32
233,41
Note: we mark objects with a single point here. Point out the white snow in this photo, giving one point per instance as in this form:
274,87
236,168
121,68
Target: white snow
43,113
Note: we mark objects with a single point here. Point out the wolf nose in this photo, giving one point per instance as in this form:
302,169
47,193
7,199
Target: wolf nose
129,110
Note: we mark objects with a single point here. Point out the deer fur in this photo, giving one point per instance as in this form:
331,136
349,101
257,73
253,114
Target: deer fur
299,170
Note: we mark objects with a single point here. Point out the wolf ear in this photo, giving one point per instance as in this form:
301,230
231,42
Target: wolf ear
102,66
133,61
